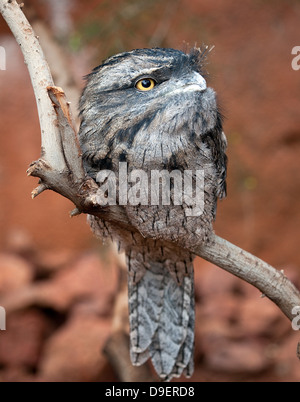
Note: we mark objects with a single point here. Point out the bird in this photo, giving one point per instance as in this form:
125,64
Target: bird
150,112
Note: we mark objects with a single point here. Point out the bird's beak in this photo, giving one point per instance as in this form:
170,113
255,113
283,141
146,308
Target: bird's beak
192,82
195,81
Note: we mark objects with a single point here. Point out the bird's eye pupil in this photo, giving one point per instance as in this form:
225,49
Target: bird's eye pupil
146,83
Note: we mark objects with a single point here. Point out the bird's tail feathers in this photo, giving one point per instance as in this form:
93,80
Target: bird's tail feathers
161,313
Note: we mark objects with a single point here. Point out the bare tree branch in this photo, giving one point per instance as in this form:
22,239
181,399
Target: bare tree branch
271,282
60,169
40,77
58,62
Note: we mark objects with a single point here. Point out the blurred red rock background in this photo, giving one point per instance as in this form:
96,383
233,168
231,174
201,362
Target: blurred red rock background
56,281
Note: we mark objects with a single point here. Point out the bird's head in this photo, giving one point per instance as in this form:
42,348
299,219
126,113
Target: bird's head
139,99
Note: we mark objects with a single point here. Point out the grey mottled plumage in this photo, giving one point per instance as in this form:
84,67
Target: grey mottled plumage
175,125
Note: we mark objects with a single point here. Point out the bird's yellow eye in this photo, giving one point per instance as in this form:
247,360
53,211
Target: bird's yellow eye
146,84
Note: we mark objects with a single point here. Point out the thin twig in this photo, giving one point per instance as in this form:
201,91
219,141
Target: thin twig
117,350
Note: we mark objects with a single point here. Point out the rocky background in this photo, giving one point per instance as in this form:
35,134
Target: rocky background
59,285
